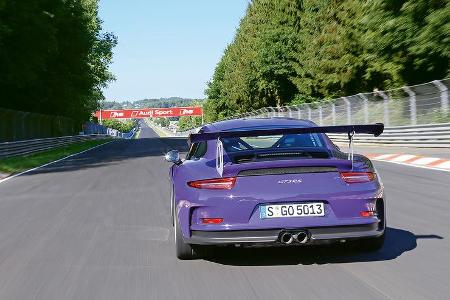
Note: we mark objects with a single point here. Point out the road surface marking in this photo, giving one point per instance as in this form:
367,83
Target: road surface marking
385,156
425,161
53,162
444,165
403,158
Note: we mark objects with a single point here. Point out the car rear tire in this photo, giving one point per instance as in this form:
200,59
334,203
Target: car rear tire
184,251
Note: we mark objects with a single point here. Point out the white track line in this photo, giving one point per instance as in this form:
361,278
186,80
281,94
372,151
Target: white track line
53,162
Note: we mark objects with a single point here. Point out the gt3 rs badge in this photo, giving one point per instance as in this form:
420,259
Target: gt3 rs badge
289,181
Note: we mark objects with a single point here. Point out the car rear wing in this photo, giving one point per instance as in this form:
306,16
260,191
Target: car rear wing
375,129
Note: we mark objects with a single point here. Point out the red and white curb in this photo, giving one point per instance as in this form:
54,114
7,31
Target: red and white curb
414,161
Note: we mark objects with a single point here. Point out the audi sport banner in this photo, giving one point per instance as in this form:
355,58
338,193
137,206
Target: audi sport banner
150,113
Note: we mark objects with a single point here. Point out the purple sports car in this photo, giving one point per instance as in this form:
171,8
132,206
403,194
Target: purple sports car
274,182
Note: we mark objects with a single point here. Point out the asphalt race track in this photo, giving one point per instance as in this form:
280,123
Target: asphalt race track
97,226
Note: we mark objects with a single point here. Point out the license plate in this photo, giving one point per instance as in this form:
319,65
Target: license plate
292,210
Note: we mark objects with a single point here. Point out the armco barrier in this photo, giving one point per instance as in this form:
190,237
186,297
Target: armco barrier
129,135
431,135
32,146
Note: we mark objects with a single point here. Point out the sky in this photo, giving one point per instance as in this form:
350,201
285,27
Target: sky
167,47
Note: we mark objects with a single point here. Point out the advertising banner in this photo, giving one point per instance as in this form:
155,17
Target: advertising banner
149,113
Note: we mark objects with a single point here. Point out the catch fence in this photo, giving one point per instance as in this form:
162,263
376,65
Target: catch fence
420,104
416,115
19,125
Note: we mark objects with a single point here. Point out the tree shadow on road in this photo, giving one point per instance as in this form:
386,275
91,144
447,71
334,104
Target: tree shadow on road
398,241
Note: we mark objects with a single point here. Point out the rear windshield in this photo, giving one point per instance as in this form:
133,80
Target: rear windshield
288,141
277,147
197,150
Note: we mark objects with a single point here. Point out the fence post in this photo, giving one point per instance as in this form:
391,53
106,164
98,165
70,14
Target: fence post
385,105
349,110
444,94
260,113
333,113
366,107
309,112
320,115
272,112
290,111
412,104
299,112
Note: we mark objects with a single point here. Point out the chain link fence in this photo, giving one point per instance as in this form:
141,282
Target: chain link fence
18,125
426,103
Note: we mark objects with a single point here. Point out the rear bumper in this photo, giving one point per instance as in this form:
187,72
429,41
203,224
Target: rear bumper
317,235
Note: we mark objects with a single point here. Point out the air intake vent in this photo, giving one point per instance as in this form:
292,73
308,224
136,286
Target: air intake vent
310,154
249,157
292,170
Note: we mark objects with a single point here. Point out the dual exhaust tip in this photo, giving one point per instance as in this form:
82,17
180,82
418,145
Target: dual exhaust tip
288,238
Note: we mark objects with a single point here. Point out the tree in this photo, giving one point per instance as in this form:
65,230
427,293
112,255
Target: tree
295,51
54,57
164,122
120,125
188,122
407,41
255,69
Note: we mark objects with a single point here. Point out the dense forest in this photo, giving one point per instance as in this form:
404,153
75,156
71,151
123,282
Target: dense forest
295,51
54,57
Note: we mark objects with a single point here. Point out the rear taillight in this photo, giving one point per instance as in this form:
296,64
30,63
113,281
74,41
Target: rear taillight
214,184
212,220
357,177
366,214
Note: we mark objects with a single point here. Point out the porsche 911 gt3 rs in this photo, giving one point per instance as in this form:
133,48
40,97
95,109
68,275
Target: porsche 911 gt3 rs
274,182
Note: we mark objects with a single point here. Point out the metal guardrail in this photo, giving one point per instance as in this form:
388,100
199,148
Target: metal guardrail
430,135
32,146
128,135
9,149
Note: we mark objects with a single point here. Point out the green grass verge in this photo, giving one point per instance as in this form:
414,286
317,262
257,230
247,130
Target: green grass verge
17,164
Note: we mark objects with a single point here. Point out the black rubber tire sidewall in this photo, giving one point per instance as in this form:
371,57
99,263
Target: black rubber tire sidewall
184,251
